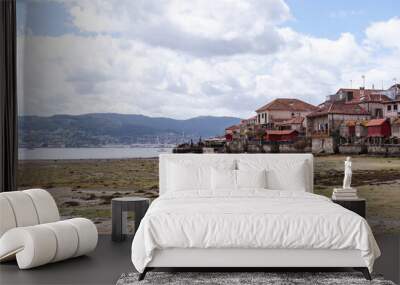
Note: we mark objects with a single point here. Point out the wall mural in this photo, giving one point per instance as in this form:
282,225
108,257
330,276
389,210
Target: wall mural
105,87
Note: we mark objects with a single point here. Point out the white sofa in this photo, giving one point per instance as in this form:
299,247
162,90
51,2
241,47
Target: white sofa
31,230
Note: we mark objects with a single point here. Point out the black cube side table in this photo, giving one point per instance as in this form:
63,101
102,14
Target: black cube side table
358,205
120,208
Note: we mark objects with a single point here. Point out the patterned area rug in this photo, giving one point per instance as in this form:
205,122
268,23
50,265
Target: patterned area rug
228,278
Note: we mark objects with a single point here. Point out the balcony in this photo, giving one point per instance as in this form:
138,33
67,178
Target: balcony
320,134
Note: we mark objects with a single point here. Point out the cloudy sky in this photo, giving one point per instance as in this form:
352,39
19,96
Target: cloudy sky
183,59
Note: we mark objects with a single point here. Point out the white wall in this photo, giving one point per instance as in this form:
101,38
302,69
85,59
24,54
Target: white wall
392,113
266,117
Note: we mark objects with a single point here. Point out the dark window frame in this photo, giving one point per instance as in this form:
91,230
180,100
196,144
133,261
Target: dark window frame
8,96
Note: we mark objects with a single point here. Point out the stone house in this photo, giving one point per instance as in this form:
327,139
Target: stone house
296,123
248,127
379,128
392,109
250,121
282,109
371,100
348,129
232,132
331,115
396,128
281,135
323,125
354,131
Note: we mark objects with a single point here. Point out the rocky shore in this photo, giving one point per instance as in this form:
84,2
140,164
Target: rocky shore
86,187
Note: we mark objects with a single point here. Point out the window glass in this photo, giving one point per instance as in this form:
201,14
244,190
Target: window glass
105,87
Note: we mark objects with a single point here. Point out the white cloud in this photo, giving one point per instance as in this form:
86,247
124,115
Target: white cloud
201,27
207,18
385,33
193,58
99,16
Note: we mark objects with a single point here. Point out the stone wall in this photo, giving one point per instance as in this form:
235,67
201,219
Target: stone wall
319,145
254,148
322,145
291,148
234,147
393,150
208,150
267,148
353,149
384,149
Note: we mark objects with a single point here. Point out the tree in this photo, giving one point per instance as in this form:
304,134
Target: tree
249,134
260,134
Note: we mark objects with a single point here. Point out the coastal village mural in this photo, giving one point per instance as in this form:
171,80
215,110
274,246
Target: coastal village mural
102,93
351,121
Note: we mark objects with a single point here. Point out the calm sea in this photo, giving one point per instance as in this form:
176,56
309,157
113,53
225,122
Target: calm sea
90,153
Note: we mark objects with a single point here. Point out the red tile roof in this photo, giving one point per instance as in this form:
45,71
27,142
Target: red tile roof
369,95
351,123
376,122
338,108
396,121
282,132
285,104
233,127
293,121
245,121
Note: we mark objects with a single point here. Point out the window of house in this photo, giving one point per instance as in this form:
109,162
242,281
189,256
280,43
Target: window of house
389,107
395,107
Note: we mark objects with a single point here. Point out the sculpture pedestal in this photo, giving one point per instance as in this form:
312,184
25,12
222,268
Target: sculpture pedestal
356,205
344,194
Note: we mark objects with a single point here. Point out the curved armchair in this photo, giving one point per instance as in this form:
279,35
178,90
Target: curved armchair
31,230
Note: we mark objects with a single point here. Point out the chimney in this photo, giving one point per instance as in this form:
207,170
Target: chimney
349,96
362,93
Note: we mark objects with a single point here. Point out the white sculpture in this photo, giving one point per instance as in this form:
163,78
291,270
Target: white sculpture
346,192
347,173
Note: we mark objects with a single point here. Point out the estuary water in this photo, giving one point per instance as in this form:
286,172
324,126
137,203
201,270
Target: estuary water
90,153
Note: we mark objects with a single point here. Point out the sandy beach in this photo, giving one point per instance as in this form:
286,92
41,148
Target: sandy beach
85,187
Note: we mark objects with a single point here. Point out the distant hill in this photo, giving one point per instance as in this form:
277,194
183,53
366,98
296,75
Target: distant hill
110,128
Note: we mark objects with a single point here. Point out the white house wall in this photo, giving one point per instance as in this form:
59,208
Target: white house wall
270,116
372,108
334,120
392,113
